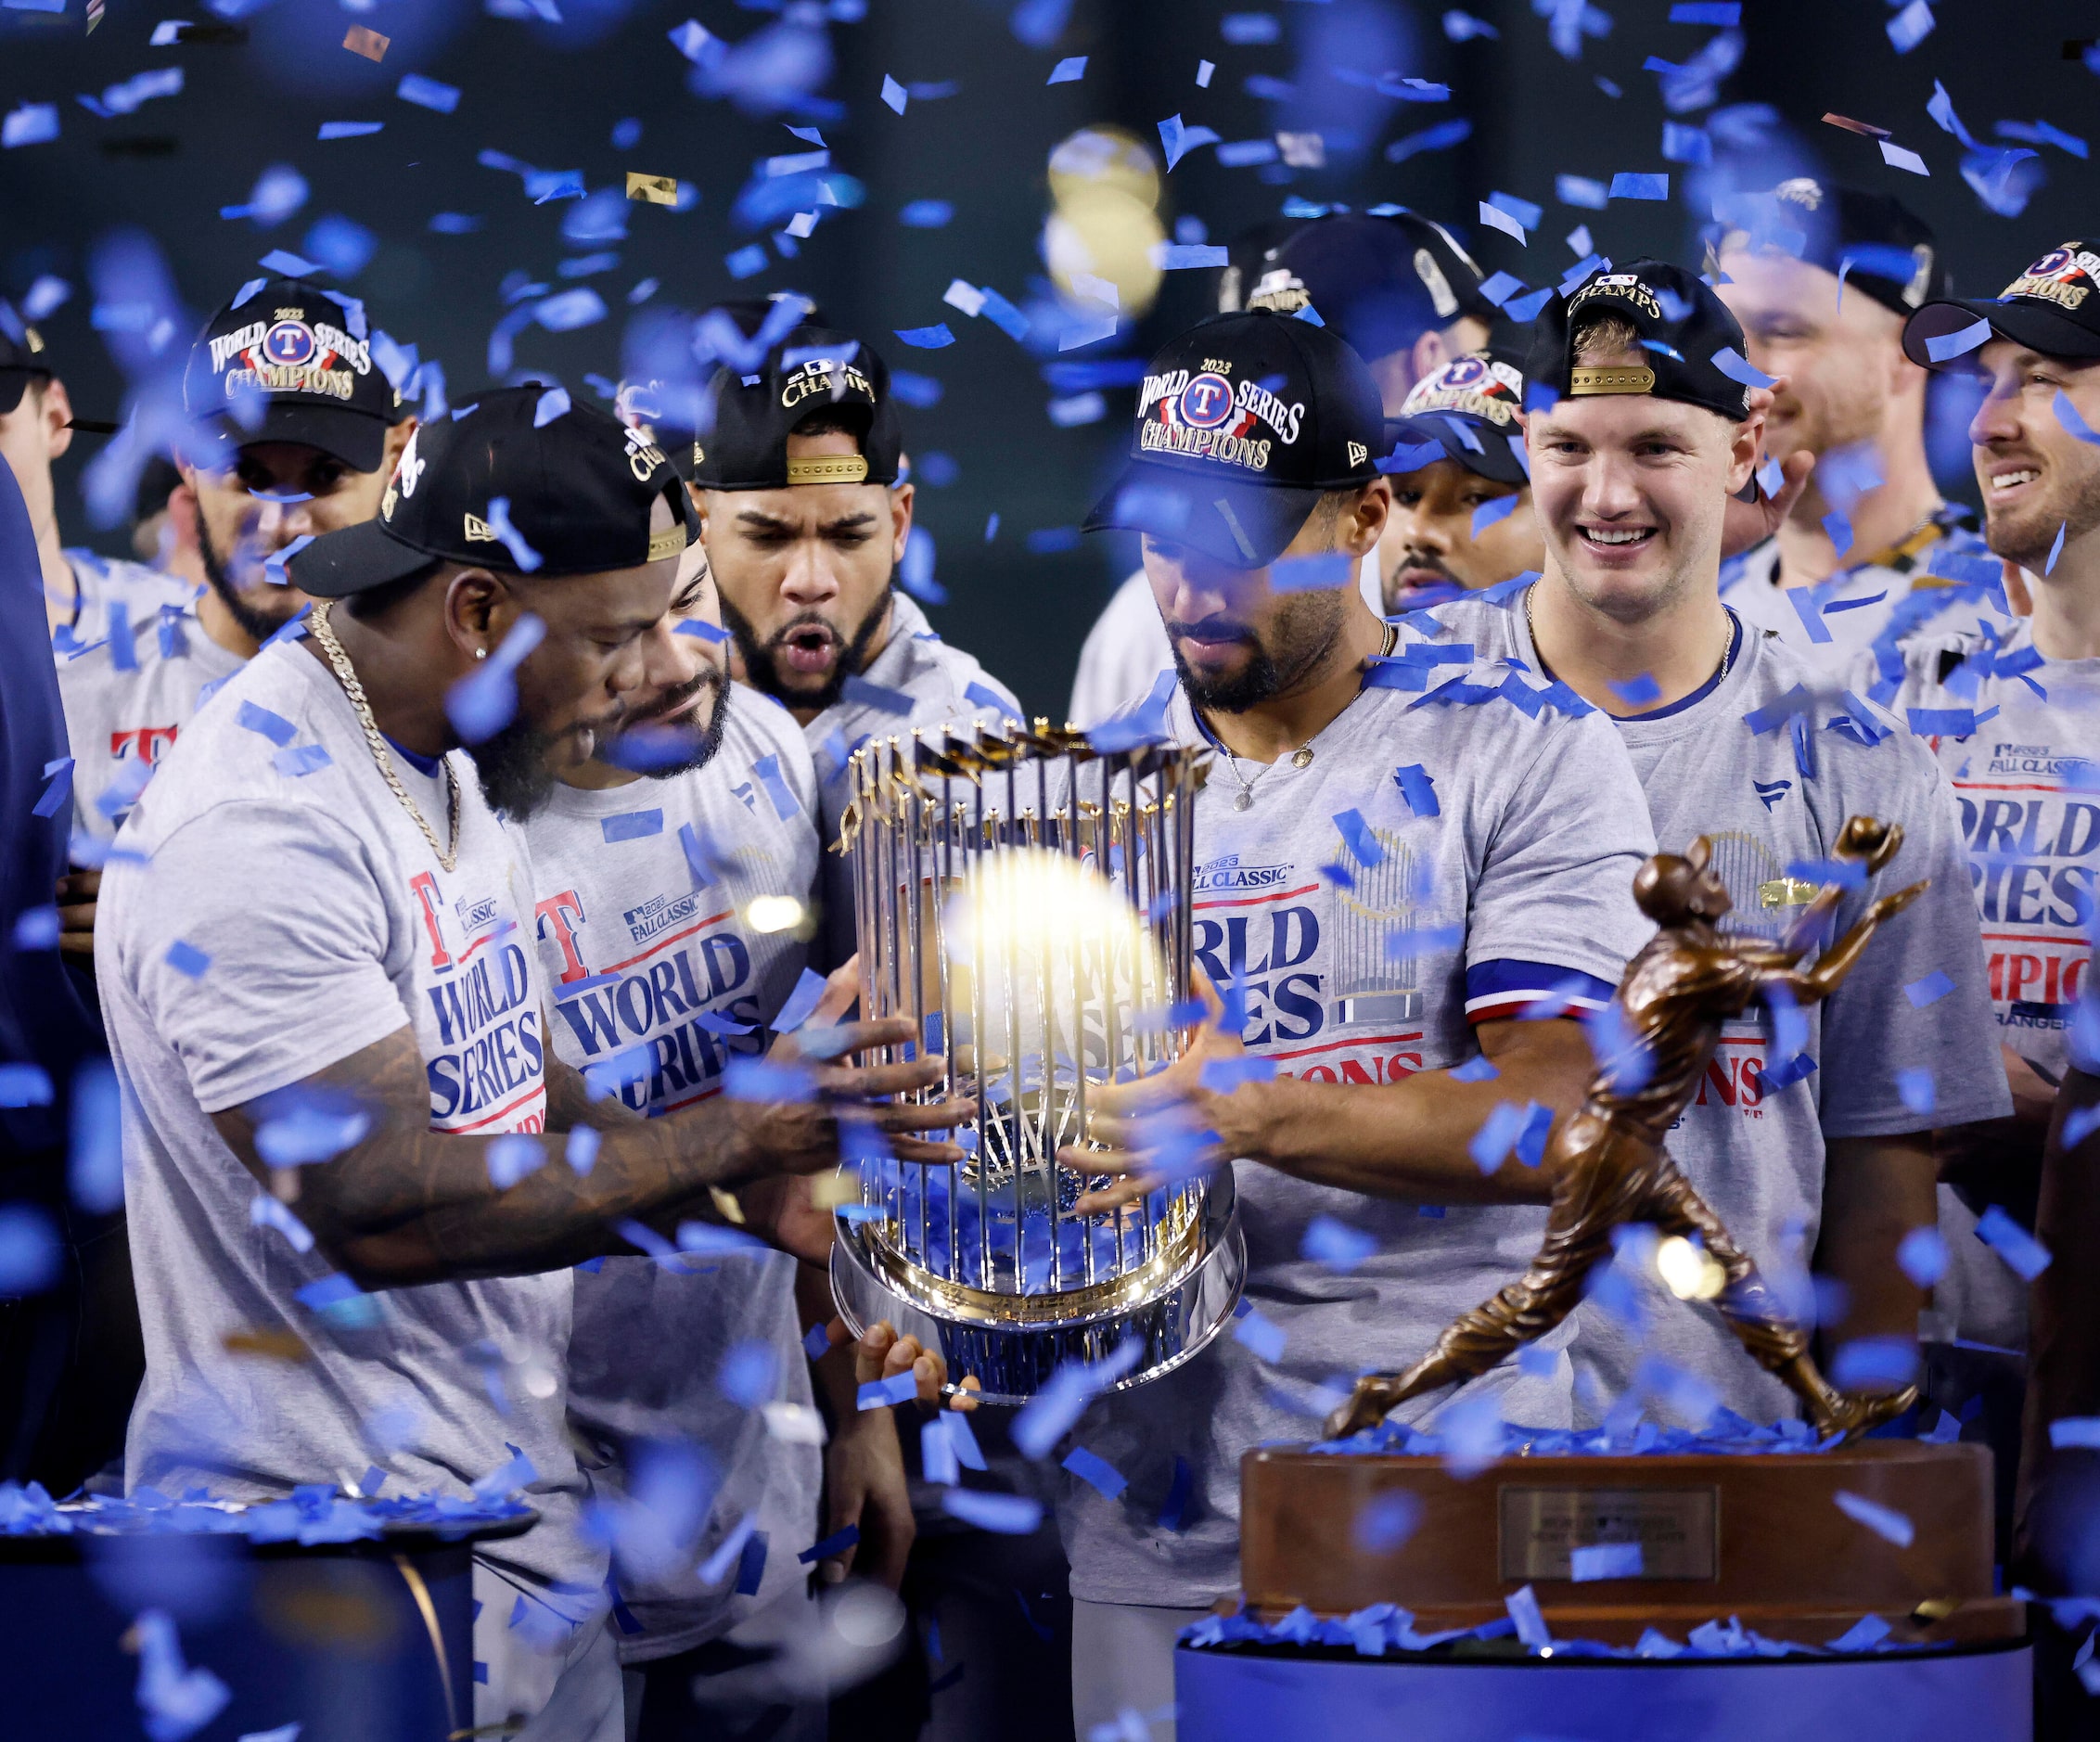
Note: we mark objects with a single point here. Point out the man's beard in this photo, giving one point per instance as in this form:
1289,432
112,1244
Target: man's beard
1306,628
761,670
651,747
515,769
2026,534
258,626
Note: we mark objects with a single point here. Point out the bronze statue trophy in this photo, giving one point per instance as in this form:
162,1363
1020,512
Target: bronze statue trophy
1767,1531
1609,1165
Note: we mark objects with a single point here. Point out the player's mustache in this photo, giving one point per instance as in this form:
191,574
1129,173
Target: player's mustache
1215,628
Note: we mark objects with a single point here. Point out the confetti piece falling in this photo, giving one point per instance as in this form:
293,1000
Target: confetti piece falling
1884,1521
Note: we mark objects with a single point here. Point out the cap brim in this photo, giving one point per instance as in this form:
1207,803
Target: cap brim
1248,526
1495,459
356,437
353,559
2025,322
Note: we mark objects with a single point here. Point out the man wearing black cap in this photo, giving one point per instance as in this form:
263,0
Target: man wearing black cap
1821,278
1462,498
1383,884
1812,1137
297,431
36,427
805,522
1399,291
2010,708
318,977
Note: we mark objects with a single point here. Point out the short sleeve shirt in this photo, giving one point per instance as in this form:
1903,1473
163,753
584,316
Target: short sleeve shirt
658,981
272,909
1768,770
2019,735
1505,866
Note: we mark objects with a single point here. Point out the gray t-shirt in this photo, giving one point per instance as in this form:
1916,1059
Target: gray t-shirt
2019,738
1830,623
121,723
284,921
670,970
928,683
104,581
1769,799
1520,883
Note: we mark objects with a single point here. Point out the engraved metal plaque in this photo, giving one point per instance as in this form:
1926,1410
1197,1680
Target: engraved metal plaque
1678,1529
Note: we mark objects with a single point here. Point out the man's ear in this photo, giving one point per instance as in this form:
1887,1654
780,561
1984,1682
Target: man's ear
397,440
479,607
1365,518
1746,443
58,415
901,500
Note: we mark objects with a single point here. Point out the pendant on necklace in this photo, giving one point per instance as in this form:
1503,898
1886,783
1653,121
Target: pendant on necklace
1241,800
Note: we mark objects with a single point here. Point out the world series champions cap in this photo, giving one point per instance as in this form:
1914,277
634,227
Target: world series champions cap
2052,307
494,487
291,343
1243,423
22,357
814,371
1680,326
1468,408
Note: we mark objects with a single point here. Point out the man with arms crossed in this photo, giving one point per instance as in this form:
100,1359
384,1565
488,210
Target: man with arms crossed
2012,711
318,981
708,783
1812,1137
804,523
1822,279
1384,883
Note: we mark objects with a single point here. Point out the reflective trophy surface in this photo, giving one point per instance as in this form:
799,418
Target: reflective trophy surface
1024,899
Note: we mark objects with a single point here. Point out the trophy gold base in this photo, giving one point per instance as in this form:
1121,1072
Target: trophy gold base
1759,1537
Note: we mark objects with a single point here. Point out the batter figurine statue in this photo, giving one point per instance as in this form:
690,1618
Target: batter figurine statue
1607,1163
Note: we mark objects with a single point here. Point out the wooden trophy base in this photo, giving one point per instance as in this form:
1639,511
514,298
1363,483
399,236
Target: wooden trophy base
1759,1537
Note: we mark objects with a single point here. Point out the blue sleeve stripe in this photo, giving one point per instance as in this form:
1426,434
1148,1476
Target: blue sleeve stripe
1505,988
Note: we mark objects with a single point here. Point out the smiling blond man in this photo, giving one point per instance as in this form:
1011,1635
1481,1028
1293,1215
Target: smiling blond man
1811,1137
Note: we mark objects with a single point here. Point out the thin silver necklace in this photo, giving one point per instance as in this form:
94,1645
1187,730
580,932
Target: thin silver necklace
1727,653
1301,757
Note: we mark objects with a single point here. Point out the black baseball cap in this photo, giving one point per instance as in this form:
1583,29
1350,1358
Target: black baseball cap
1679,323
21,355
1243,423
1380,282
1878,245
671,415
2052,307
502,484
812,370
310,358
1468,408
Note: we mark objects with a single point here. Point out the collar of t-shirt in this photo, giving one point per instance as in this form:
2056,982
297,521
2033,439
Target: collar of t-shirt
1736,666
428,766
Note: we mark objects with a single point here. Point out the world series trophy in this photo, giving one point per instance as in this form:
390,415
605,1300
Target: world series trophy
1024,897
1807,1534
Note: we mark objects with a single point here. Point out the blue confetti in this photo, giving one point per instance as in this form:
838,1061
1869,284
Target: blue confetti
428,93
801,1002
1007,1514
2027,1256
1097,1472
924,214
1916,1089
632,826
925,338
349,129
893,94
1067,70
1736,369
188,959
274,726
1335,1244
1884,1521
1930,990
1609,1561
1264,1336
1627,186
301,760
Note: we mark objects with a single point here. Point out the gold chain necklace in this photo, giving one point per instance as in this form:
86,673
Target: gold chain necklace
346,674
1301,758
1727,653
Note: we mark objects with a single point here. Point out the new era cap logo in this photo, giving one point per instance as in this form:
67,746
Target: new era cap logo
1358,453
477,531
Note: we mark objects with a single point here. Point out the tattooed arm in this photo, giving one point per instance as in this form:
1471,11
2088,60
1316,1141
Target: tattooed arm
406,1204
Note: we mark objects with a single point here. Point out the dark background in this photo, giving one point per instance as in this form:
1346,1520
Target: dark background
551,96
